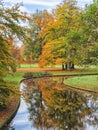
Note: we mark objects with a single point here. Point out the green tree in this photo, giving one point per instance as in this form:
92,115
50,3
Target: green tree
72,36
9,27
66,33
38,21
90,21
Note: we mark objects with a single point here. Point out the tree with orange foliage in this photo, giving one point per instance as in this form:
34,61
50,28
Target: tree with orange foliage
64,36
33,48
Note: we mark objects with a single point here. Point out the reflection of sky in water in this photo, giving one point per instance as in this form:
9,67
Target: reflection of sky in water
21,121
91,127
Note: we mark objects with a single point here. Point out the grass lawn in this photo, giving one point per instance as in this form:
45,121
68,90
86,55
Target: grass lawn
87,82
76,71
35,65
29,65
14,78
80,81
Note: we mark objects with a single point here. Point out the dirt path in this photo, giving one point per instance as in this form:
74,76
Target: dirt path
38,69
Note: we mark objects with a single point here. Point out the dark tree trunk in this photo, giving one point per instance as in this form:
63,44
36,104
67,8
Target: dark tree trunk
73,66
63,68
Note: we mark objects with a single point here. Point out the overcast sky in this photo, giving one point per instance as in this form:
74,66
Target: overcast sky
32,5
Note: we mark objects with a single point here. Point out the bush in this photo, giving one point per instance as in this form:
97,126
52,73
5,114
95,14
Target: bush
36,74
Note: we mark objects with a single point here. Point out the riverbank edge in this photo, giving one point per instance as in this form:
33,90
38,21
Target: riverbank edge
81,89
69,85
12,115
61,75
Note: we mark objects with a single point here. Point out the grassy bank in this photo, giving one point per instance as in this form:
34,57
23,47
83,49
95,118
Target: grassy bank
87,82
80,81
14,78
76,71
6,114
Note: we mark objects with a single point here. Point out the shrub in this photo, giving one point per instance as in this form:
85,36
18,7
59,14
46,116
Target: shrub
36,74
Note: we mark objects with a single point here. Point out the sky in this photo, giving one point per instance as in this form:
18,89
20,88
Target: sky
31,6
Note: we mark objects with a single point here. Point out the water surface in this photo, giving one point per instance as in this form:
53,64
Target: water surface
48,104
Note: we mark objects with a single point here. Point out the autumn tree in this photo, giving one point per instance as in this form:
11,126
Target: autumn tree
33,48
16,53
70,36
9,27
66,33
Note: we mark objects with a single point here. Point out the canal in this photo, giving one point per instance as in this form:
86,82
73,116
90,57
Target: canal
48,104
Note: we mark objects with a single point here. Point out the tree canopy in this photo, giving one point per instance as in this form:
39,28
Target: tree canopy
64,36
69,36
9,28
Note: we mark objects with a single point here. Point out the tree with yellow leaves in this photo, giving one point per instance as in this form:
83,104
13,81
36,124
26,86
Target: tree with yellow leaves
64,36
9,28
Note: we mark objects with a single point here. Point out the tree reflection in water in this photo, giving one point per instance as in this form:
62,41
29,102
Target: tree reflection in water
52,105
